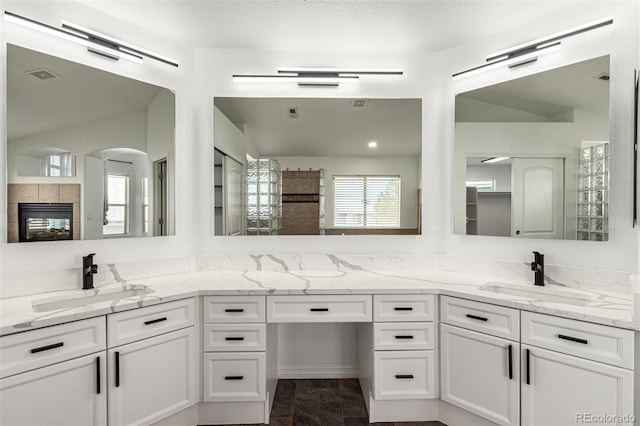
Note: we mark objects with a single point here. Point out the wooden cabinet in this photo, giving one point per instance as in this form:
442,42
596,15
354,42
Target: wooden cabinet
70,393
480,373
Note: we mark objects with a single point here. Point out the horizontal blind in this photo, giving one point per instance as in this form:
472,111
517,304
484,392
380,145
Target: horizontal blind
366,201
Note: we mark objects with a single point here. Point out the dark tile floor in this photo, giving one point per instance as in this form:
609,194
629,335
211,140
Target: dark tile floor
324,402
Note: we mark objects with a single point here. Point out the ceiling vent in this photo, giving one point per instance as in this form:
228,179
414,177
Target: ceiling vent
42,74
603,76
293,112
359,103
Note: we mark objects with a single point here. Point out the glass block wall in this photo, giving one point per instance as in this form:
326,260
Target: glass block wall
264,197
593,189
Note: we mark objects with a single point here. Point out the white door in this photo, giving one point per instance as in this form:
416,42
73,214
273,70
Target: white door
153,378
480,373
563,390
71,393
233,173
537,197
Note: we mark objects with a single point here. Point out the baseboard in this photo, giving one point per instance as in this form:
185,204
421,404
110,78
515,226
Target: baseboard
318,372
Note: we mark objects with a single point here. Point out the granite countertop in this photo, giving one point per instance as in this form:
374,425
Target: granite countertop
17,313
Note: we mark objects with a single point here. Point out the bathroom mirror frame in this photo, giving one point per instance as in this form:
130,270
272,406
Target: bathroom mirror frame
484,106
141,113
308,160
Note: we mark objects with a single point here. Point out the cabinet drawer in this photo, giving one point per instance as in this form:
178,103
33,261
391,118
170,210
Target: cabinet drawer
234,376
592,341
230,309
483,317
392,308
404,375
234,337
38,348
137,324
345,308
402,336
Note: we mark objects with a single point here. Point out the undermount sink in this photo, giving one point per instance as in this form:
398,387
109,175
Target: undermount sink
85,297
541,294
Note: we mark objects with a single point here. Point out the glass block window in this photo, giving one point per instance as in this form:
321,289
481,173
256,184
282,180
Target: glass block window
593,193
264,197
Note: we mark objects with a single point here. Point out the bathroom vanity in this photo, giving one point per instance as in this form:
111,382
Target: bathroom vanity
202,348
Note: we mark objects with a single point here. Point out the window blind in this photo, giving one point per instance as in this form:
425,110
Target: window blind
366,201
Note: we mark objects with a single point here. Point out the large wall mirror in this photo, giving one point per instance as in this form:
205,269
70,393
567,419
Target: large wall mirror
532,155
90,154
313,166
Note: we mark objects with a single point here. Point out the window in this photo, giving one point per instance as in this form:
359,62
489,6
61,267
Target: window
145,205
62,164
366,201
483,185
118,196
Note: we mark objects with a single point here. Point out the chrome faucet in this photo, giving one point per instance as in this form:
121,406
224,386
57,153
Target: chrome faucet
88,269
538,267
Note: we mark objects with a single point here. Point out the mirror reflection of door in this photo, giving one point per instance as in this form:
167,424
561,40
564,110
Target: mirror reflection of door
232,189
537,198
161,196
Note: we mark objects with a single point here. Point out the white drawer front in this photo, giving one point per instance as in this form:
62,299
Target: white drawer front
233,309
410,308
345,308
34,349
233,376
137,324
483,317
404,375
402,336
234,337
597,342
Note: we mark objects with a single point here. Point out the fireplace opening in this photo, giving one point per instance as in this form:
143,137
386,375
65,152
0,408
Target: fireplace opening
45,221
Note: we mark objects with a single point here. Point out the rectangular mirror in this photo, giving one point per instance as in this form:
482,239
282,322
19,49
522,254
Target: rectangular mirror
89,153
532,155
314,166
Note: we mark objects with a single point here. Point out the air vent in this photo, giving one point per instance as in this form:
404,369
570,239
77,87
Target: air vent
42,74
293,112
359,103
603,76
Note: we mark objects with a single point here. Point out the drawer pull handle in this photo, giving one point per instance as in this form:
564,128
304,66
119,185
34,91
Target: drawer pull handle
404,376
475,317
98,375
117,355
403,308
407,337
528,352
234,310
155,321
510,356
234,339
319,309
233,377
47,348
573,339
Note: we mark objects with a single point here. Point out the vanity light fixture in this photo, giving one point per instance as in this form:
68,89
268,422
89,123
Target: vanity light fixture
494,160
96,42
318,77
528,52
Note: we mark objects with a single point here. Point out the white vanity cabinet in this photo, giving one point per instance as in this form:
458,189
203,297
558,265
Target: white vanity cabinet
55,375
480,359
152,362
572,370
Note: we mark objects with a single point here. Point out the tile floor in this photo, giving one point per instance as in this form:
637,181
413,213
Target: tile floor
324,402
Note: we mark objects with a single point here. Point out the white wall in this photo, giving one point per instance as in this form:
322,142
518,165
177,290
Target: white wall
231,140
406,167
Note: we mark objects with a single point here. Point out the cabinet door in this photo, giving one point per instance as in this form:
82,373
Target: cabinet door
562,390
480,374
69,393
153,378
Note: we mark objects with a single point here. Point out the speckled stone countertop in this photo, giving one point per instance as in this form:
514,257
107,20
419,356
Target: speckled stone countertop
17,313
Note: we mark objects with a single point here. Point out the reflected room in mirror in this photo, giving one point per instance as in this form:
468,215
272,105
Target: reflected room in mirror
89,153
302,166
532,155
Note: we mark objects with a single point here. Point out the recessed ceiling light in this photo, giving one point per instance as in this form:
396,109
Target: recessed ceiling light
372,144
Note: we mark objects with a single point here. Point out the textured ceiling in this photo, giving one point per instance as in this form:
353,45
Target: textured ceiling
325,25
